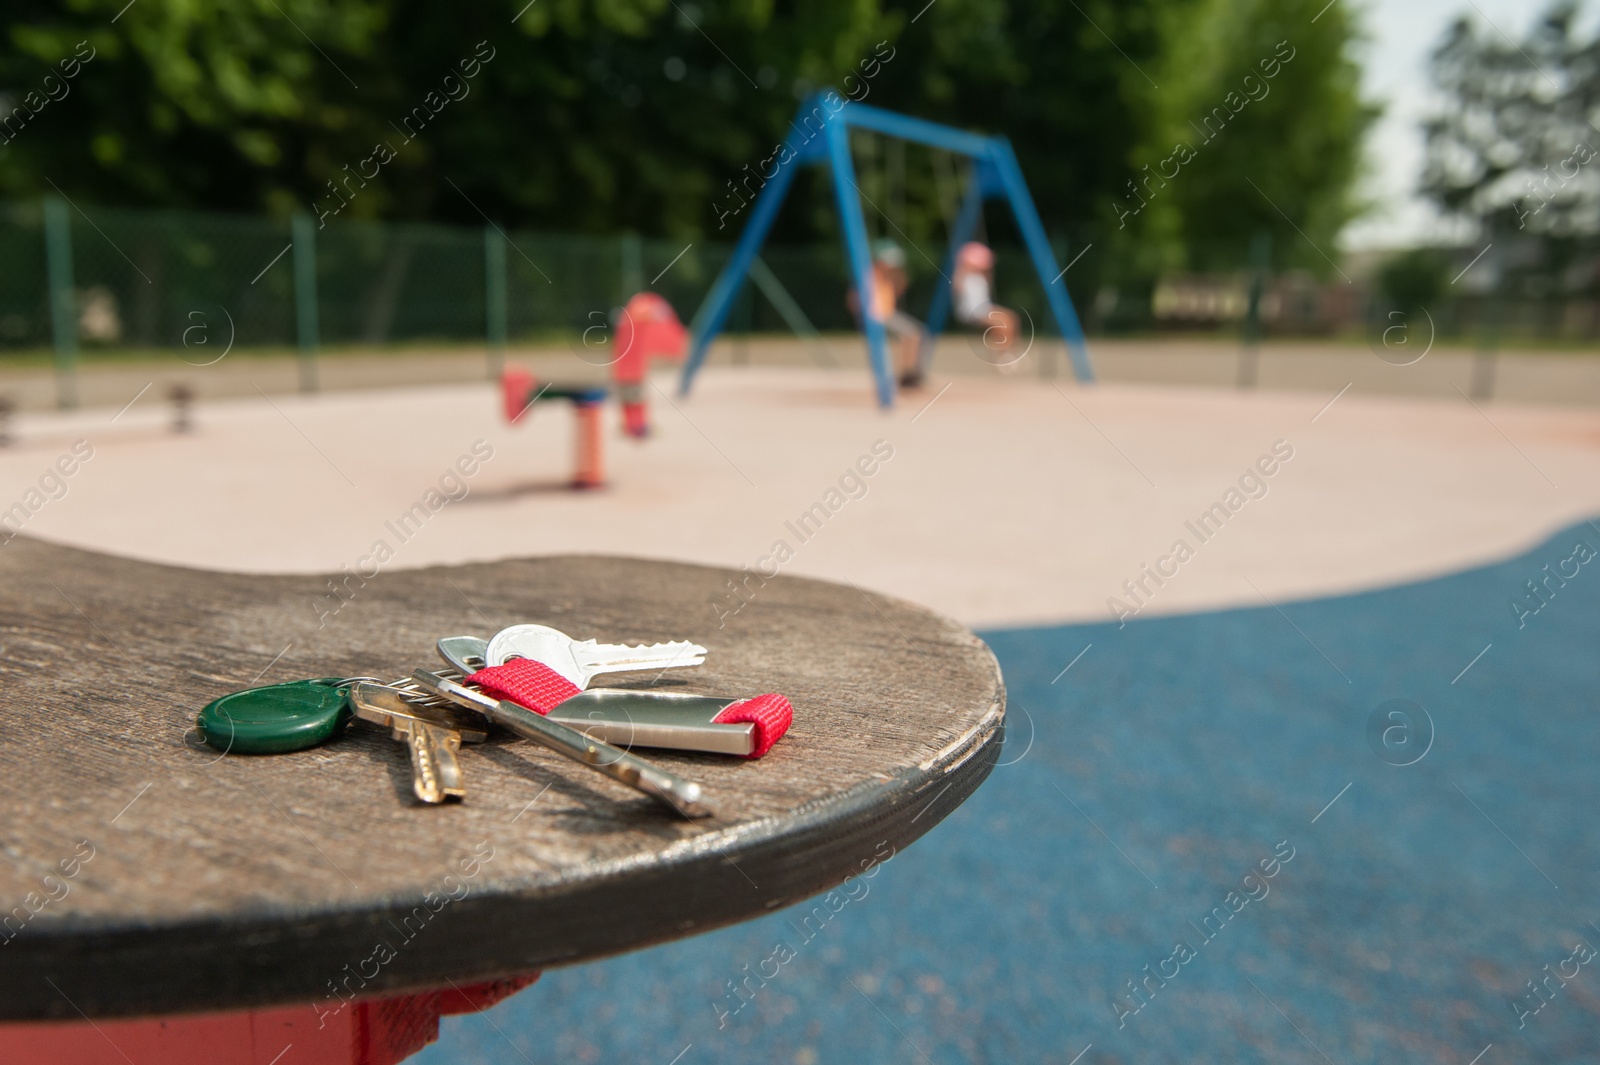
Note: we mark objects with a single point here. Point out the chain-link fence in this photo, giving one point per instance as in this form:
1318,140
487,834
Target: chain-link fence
24,287
78,276
140,279
109,278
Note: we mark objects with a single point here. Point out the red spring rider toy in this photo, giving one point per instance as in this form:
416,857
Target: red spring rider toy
647,328
520,390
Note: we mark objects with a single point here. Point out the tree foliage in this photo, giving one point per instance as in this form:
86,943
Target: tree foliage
1265,95
1512,147
1514,151
602,115
1414,278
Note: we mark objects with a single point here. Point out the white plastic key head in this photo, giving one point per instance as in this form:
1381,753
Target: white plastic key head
582,662
540,643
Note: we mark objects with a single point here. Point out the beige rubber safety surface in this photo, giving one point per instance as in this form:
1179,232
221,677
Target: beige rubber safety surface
995,501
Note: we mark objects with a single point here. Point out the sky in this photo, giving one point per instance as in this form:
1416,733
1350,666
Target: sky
1395,59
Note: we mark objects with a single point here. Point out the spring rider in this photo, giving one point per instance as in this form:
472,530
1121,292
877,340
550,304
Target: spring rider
646,327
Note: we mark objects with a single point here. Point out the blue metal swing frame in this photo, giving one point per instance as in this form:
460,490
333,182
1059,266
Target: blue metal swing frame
996,175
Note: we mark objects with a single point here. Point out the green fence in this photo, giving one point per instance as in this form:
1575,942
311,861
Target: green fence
134,279
82,277
140,279
77,276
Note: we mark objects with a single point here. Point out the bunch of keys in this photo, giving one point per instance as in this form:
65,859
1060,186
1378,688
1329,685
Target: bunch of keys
557,686
546,673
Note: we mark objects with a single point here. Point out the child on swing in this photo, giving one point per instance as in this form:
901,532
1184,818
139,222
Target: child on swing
970,292
887,284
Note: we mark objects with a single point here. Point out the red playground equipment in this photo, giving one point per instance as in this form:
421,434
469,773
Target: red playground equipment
646,328
377,1031
520,390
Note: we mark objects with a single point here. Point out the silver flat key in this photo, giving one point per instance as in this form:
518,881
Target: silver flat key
626,717
580,661
466,654
682,795
433,735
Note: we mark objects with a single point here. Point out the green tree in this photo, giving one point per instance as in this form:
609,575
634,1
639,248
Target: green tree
1414,278
586,115
217,103
1515,152
601,115
1261,98
1512,145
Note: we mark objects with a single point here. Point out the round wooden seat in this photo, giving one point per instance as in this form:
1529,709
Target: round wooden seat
201,881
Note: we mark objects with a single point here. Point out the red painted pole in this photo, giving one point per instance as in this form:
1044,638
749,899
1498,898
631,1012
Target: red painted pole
590,472
374,1032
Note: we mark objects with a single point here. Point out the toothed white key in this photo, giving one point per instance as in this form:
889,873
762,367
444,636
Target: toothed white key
582,661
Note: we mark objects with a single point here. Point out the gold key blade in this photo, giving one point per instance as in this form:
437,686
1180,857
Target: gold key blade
435,769
433,737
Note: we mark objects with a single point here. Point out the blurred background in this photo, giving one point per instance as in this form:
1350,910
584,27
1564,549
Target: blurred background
440,160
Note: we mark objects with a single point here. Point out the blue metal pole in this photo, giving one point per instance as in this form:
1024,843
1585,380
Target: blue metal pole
939,309
1044,260
920,130
860,256
713,313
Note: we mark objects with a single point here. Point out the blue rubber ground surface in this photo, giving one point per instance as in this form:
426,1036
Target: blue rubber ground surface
1156,773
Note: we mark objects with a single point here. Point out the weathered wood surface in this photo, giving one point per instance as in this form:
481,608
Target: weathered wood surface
238,881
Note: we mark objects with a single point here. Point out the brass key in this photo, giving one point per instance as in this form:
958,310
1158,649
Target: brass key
435,769
433,735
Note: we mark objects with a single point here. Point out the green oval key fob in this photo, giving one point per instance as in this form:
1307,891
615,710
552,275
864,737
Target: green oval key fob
276,718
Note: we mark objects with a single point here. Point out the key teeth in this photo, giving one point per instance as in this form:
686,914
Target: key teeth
654,654
679,647
598,668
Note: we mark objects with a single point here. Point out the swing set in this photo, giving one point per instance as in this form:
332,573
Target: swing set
995,175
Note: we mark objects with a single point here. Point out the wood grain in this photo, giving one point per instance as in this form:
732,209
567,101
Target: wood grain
234,881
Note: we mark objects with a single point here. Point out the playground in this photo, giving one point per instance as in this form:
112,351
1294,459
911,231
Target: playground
1295,634
1216,723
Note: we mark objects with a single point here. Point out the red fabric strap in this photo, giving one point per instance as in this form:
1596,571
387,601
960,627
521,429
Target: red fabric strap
771,714
541,689
526,682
